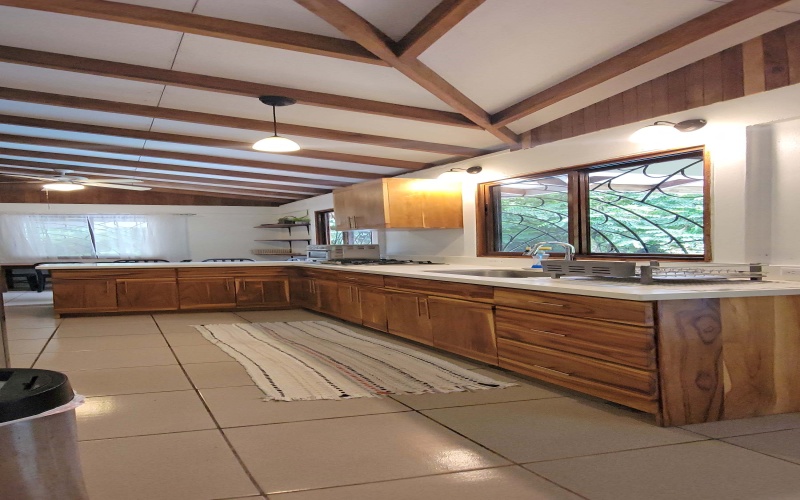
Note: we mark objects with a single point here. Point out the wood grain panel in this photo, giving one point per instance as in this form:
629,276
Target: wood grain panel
578,125
792,33
644,101
590,119
661,95
408,316
206,292
477,293
616,113
761,348
231,272
712,79
753,66
360,278
776,60
602,114
689,359
732,73
694,85
373,308
630,110
622,311
465,328
676,92
628,345
84,295
148,294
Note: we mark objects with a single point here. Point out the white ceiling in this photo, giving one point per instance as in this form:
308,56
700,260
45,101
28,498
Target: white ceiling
501,53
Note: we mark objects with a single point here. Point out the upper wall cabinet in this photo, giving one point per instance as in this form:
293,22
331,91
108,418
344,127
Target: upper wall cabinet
399,203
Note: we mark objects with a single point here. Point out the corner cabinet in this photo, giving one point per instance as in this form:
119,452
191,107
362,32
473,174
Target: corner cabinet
399,203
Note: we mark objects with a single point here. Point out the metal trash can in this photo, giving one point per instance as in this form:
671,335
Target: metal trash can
38,437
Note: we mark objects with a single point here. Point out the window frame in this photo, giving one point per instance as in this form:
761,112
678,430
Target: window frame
323,230
578,207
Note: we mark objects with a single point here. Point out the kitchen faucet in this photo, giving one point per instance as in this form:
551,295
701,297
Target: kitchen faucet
569,250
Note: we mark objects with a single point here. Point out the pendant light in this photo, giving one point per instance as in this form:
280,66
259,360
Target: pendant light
276,143
62,186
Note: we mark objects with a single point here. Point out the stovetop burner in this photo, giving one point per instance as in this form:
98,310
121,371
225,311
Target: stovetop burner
380,262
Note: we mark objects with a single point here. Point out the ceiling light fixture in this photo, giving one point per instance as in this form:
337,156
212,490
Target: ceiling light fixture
662,130
276,143
455,174
62,186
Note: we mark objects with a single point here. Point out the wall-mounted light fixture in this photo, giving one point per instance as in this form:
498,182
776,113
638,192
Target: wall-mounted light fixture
276,143
455,174
62,186
662,130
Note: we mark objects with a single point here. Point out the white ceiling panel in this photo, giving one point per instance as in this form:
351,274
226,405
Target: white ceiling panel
254,63
70,136
68,151
80,36
179,5
277,158
736,34
393,17
498,59
73,115
283,14
305,142
80,85
314,116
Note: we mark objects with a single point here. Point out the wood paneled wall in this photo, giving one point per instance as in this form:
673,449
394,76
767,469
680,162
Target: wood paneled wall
764,63
32,193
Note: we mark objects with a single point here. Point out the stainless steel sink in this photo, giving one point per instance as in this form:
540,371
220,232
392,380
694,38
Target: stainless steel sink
496,273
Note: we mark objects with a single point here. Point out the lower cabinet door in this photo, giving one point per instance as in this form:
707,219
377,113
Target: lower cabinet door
84,295
327,294
373,308
349,302
207,293
262,292
302,293
465,328
408,316
147,294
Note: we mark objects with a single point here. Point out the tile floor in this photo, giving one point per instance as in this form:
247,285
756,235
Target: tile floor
169,416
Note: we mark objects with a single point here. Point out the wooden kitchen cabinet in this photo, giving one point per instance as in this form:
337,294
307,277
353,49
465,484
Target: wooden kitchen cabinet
147,294
373,308
96,294
301,291
327,296
262,292
463,327
207,292
349,302
408,316
398,203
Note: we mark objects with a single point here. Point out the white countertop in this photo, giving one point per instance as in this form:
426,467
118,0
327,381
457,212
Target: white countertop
576,286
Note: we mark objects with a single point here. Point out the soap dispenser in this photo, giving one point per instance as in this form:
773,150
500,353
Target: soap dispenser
540,255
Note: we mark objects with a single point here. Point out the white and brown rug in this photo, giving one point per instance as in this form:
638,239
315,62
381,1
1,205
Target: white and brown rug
306,360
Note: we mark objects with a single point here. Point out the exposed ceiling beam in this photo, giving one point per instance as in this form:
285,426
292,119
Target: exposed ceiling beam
208,142
26,168
229,121
432,27
358,29
161,168
691,31
196,24
216,160
160,76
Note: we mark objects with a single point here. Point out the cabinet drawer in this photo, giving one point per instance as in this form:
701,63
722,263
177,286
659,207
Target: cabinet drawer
477,293
623,384
622,311
361,278
626,344
91,274
230,272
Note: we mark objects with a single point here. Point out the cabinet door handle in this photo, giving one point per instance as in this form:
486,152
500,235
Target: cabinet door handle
244,285
108,285
548,333
417,299
551,304
228,285
554,371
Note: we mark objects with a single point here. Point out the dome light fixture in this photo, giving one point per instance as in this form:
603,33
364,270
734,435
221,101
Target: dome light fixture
455,174
664,130
276,143
62,186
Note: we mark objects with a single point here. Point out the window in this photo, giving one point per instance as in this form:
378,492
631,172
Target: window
45,237
328,235
636,207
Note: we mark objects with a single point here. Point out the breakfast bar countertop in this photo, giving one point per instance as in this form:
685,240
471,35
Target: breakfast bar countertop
570,285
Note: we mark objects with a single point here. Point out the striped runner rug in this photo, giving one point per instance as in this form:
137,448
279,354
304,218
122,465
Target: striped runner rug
306,360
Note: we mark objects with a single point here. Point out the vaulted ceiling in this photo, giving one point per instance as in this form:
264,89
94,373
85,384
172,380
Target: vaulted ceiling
166,91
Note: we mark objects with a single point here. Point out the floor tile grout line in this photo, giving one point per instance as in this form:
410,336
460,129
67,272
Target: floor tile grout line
167,433
760,452
215,421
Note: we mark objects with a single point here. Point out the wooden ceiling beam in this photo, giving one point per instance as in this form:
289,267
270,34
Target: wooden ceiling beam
212,143
174,78
358,29
122,150
432,27
164,168
669,41
196,24
26,168
229,121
